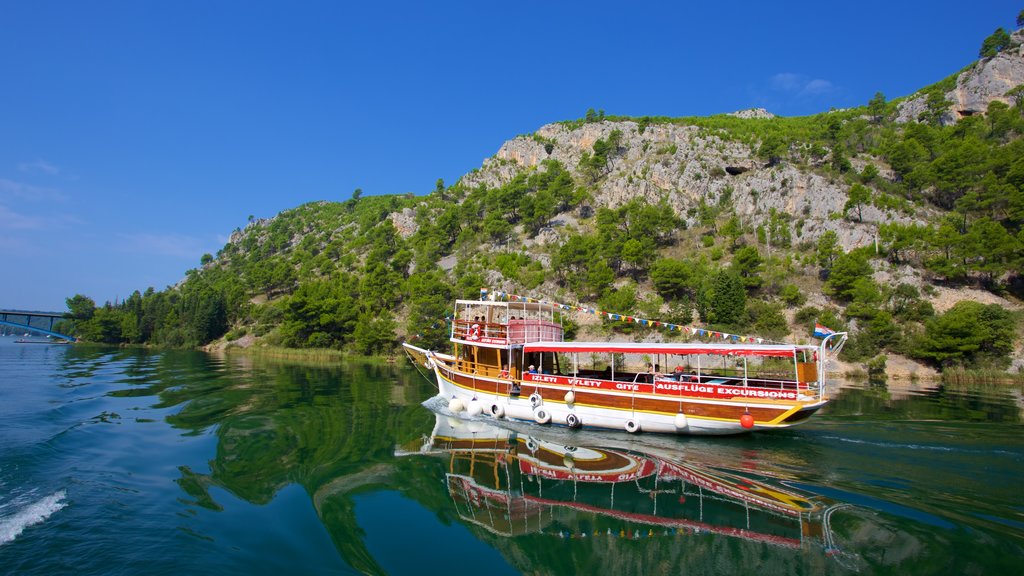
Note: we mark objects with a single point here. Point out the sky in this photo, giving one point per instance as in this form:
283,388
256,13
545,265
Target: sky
136,135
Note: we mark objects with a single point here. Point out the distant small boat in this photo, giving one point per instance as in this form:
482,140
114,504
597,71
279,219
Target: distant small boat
24,341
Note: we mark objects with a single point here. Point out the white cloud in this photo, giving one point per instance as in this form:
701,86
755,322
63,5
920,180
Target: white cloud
11,190
817,87
12,220
39,166
800,85
786,82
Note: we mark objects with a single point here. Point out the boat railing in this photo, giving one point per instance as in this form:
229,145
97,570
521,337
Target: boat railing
478,330
515,332
529,330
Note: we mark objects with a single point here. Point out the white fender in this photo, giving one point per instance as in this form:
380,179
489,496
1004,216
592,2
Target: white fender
681,421
475,408
570,397
541,415
536,400
632,426
456,405
573,421
497,410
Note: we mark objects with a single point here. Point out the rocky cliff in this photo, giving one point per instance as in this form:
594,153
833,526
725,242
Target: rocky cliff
987,80
687,164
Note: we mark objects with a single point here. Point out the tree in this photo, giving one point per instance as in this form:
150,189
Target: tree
634,253
847,269
876,107
600,277
104,326
672,278
728,299
970,334
869,173
357,193
732,229
206,259
1020,19
828,249
857,197
747,263
997,42
772,149
901,239
374,333
839,160
768,319
80,307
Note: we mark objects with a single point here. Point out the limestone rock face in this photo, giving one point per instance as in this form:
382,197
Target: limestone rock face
752,113
685,165
984,82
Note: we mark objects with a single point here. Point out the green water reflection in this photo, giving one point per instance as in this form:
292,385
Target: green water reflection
891,479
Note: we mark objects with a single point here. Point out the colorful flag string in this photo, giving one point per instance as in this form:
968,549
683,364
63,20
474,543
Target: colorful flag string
498,295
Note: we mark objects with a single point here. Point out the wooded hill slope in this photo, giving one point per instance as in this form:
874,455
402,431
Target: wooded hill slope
878,220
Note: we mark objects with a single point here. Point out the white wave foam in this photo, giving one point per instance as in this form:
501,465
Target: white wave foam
12,526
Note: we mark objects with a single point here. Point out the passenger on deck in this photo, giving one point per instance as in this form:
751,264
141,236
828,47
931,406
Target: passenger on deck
677,373
532,369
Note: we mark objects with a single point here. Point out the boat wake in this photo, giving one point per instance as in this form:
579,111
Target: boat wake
923,447
13,524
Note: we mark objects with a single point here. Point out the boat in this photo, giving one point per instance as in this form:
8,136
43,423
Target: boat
512,483
509,360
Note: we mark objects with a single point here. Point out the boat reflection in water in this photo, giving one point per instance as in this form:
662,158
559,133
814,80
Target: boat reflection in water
512,483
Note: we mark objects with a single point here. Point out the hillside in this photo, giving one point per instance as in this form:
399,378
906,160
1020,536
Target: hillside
900,221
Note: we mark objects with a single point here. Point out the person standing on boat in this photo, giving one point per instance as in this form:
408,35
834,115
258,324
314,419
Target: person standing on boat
677,373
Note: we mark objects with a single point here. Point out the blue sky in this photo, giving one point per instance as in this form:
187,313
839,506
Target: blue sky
136,135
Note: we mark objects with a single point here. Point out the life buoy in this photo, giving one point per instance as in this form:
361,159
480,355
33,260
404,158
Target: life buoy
536,400
573,421
474,332
497,410
541,415
632,426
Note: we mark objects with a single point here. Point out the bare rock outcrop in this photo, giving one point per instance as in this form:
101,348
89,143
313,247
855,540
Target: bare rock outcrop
684,166
984,82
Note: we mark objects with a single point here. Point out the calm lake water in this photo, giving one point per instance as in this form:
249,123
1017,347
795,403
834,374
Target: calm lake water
169,462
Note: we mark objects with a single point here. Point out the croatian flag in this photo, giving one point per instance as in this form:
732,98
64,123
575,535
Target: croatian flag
822,332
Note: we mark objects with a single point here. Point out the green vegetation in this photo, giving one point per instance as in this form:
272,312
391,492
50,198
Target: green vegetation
361,274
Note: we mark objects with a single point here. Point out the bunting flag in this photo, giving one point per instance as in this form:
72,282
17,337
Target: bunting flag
699,332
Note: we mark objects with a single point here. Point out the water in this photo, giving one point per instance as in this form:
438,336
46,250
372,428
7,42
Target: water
159,462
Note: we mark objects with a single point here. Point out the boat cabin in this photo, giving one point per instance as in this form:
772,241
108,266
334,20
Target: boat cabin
486,334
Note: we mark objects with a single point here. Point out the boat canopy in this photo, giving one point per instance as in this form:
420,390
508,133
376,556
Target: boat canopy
765,350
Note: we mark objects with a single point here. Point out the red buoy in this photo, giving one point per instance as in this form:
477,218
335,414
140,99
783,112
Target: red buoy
747,421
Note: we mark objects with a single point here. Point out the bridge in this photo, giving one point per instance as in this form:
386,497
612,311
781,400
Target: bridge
35,321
